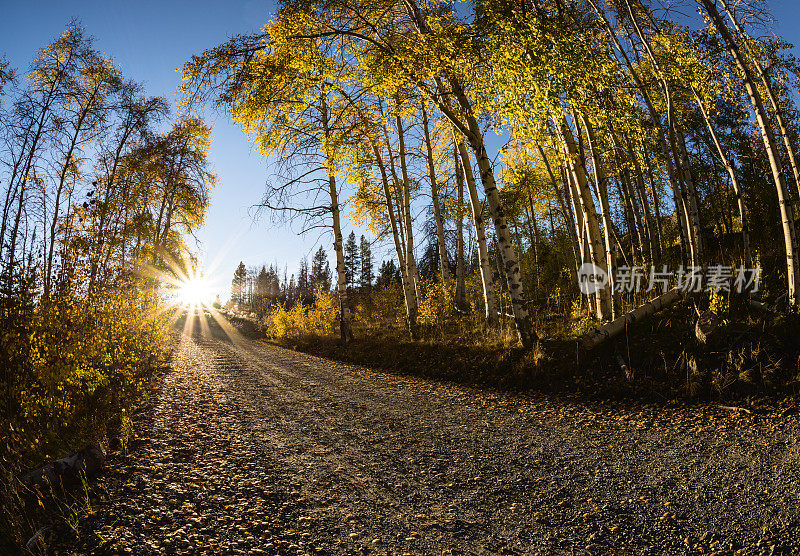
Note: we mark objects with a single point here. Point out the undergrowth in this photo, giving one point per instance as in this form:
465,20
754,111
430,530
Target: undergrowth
751,353
72,366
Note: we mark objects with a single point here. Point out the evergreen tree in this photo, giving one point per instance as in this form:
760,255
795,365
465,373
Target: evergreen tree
428,263
351,260
367,274
321,271
273,283
389,273
303,282
291,291
249,291
239,284
262,288
284,286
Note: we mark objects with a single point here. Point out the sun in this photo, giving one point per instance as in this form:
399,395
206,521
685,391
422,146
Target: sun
185,283
195,290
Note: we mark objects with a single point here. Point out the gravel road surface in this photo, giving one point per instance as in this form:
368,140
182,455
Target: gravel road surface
248,448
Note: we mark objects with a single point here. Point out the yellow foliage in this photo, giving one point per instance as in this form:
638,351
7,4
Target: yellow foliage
384,306
580,319
320,318
718,303
73,362
435,304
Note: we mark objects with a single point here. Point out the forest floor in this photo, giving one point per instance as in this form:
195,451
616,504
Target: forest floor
250,448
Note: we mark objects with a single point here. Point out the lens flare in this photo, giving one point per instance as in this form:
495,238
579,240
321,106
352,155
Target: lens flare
196,290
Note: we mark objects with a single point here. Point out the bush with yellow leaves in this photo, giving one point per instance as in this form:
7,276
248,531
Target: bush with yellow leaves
285,323
319,318
72,363
435,304
580,320
382,307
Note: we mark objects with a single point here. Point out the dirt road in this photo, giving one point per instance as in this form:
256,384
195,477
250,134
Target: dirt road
250,448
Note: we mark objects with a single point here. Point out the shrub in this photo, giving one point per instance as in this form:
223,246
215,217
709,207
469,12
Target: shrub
386,307
72,364
319,318
435,304
580,319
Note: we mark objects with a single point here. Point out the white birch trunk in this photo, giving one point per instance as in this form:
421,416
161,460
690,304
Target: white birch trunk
688,192
737,190
437,210
770,95
602,195
484,264
406,199
620,324
461,288
787,213
594,238
408,288
345,328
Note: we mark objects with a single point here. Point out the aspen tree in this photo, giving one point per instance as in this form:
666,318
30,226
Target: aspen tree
460,296
489,296
437,209
754,95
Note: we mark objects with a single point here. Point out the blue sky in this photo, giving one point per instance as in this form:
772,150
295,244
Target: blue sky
150,41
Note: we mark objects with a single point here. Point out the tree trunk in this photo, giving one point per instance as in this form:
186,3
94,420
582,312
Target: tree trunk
406,197
619,325
569,218
787,213
648,218
737,190
489,297
581,245
688,191
770,94
595,242
461,289
345,328
633,232
692,196
660,135
48,267
11,190
681,199
437,211
395,185
633,217
602,195
654,192
533,232
408,288
468,125
575,210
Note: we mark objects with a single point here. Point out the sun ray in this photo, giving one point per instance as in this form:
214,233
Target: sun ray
205,331
189,290
175,315
223,323
188,327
